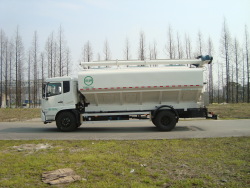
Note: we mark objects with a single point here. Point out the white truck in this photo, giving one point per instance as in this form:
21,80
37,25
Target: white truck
161,91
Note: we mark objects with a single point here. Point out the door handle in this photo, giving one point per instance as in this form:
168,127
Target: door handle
60,102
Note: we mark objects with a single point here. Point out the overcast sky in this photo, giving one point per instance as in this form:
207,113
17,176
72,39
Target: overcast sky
114,20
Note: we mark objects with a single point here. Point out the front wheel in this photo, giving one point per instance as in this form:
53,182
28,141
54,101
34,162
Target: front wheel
66,122
165,121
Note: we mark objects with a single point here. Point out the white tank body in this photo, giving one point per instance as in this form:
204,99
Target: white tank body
141,88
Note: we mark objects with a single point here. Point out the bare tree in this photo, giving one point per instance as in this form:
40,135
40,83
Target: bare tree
68,61
60,53
154,50
179,46
219,82
29,78
232,80
6,50
2,40
106,51
55,67
6,71
49,49
42,60
11,49
150,50
236,60
153,53
188,46
247,62
225,48
34,54
19,56
200,44
210,68
243,75
127,53
60,50
170,47
87,52
142,46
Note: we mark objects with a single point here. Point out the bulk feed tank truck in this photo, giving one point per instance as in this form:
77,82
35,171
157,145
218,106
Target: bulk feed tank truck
158,90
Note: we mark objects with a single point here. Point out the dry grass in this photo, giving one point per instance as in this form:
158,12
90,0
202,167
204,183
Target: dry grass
231,111
18,114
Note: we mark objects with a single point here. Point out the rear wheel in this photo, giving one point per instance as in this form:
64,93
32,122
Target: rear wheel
66,121
153,121
165,121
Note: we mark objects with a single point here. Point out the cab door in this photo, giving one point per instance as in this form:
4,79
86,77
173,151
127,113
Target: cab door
52,100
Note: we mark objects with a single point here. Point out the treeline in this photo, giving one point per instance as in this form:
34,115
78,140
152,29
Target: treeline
23,70
233,69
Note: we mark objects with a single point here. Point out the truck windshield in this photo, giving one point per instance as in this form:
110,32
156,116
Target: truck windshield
54,89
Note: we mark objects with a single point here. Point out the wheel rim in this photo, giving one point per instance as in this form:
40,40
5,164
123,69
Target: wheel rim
165,121
66,122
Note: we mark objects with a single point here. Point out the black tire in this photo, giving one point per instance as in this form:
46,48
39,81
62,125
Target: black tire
153,121
66,122
165,121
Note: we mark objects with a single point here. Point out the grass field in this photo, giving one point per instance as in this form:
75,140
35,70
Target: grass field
213,162
225,111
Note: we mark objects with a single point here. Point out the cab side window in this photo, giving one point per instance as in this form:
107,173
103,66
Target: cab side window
54,89
66,86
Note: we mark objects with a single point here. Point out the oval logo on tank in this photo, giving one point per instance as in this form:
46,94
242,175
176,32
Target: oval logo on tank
88,80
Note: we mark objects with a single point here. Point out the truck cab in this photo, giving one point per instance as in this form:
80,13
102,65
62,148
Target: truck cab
59,94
